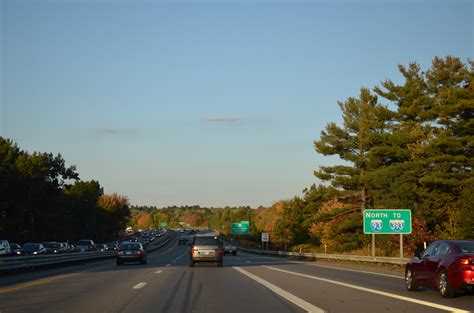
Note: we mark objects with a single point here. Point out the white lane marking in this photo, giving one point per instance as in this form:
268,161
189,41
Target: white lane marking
174,261
308,307
139,285
382,293
357,271
158,271
248,262
168,265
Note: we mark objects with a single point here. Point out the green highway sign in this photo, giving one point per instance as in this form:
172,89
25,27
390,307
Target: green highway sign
241,228
387,221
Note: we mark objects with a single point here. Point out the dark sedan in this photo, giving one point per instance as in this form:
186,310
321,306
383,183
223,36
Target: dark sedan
15,249
32,249
447,265
131,252
53,247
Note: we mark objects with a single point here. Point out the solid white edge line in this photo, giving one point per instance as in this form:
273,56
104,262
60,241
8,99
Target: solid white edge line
158,271
354,270
308,307
168,264
139,285
382,293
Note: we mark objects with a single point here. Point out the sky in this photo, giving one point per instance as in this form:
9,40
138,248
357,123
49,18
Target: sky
212,103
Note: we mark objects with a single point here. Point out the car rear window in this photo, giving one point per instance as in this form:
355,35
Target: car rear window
206,241
130,246
84,242
31,246
466,247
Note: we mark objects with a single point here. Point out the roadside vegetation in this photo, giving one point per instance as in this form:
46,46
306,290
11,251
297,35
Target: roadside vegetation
42,199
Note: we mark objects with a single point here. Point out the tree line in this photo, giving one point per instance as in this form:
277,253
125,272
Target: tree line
405,145
42,199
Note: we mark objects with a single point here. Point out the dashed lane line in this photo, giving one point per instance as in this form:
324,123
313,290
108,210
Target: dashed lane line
382,293
158,271
308,307
139,285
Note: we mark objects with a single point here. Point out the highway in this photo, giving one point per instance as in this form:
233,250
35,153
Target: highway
246,283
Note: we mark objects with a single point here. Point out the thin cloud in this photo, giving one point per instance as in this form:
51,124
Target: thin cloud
223,118
115,131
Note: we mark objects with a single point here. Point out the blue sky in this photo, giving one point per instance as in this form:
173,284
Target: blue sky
204,102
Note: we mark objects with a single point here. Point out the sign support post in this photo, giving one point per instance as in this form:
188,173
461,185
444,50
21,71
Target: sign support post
373,245
401,246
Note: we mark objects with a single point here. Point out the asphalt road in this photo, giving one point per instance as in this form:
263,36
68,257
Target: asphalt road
246,283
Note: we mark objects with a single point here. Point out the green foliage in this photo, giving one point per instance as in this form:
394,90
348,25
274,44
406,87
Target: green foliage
365,123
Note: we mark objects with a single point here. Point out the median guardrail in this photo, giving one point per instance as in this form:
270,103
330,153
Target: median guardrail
20,262
357,258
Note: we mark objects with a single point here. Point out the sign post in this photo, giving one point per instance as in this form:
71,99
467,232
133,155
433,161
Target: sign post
265,238
387,222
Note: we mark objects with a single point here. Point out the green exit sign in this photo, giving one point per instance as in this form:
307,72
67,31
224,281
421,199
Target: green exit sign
387,221
241,228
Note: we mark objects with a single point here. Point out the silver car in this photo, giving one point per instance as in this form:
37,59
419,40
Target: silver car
230,248
206,249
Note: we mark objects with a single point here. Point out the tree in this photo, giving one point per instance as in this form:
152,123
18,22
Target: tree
365,123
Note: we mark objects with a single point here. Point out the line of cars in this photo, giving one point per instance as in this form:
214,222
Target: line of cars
52,247
135,249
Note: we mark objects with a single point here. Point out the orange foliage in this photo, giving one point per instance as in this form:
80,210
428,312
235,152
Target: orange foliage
143,220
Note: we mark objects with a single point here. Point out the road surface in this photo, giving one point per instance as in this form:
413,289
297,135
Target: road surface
246,283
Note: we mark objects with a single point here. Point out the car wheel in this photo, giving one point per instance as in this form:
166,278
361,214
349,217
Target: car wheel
191,264
409,280
234,253
119,262
220,264
445,289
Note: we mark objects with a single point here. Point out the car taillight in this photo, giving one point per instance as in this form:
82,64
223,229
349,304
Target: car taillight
464,261
219,250
119,252
139,252
193,250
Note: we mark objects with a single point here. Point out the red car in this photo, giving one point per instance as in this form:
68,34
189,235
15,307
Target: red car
447,265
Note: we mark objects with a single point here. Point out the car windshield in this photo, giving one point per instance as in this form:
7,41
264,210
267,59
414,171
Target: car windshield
206,241
130,246
466,247
52,245
30,246
83,243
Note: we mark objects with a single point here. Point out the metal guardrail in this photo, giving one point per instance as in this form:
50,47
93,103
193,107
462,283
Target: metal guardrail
357,258
13,263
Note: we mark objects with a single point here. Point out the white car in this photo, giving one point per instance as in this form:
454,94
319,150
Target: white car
4,247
